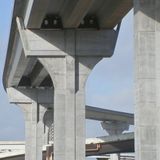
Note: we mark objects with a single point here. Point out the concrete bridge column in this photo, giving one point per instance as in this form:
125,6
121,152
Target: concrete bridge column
30,129
33,104
40,136
68,56
147,66
69,77
115,128
49,125
69,74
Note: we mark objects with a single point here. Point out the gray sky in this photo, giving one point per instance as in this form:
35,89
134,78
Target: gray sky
110,85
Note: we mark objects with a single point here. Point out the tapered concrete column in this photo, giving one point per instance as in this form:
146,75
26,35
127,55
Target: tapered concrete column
115,128
115,156
69,74
147,66
69,77
33,102
30,129
147,61
48,121
40,131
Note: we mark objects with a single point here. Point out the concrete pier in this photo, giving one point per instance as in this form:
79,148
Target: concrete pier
34,103
69,75
115,128
53,46
72,56
147,81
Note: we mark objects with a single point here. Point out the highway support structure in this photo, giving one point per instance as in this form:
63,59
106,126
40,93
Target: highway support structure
34,103
68,56
115,128
147,78
71,59
53,47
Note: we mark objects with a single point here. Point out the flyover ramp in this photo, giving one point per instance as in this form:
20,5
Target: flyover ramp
101,114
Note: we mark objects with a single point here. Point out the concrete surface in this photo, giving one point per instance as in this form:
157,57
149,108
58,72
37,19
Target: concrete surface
115,128
61,59
147,78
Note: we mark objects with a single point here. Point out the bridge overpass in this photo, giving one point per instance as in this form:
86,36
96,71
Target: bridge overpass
53,47
71,14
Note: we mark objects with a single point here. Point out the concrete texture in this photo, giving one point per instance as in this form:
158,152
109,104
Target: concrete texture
71,13
115,157
30,116
34,103
122,143
147,61
101,114
115,128
69,74
68,55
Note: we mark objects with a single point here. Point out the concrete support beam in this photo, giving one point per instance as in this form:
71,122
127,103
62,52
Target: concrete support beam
69,74
88,42
35,13
38,74
147,60
69,78
30,132
100,114
68,56
123,143
74,11
115,128
118,9
34,103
